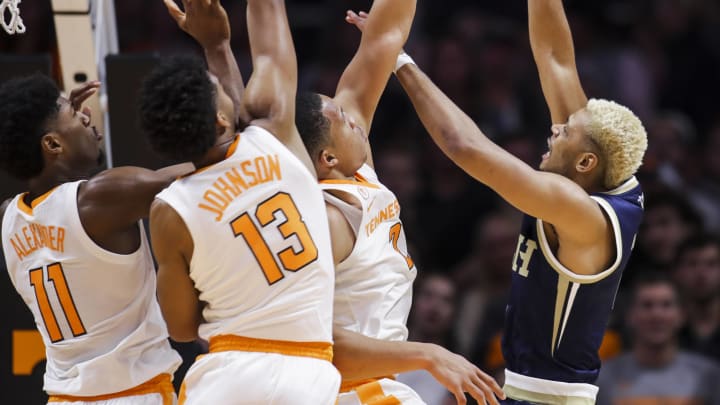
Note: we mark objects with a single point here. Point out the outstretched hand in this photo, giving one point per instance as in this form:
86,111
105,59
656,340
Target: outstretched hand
204,20
80,94
460,376
357,19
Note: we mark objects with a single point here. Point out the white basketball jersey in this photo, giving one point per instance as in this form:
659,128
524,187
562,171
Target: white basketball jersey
262,259
96,310
373,286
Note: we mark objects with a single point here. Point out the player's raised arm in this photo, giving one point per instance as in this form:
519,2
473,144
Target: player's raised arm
554,54
359,357
207,22
270,93
363,81
548,196
117,198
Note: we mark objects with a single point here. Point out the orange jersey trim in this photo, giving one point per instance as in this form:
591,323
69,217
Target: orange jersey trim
161,384
29,210
349,385
318,350
371,393
231,149
359,181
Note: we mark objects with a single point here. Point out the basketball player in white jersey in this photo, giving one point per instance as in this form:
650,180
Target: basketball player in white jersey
243,244
76,250
374,272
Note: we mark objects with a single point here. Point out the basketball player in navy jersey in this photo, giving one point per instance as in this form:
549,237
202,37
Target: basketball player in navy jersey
583,209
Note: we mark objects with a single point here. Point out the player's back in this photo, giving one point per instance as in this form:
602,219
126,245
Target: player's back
261,259
96,310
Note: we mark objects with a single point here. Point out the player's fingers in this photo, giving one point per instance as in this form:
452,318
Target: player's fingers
459,395
494,386
363,14
477,389
174,11
83,88
79,98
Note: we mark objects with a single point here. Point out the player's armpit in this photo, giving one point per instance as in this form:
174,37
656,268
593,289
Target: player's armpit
341,234
177,296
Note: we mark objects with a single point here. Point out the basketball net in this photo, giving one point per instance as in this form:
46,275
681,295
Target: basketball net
15,25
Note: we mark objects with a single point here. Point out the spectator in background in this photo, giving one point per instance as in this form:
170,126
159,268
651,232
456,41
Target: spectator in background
670,140
669,220
705,192
698,275
655,370
431,321
484,279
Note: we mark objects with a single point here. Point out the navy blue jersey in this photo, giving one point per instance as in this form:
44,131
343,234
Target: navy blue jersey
555,319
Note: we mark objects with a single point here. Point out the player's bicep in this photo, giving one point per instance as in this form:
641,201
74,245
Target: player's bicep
548,196
176,292
554,199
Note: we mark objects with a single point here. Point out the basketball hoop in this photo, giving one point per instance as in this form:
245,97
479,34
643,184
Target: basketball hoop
15,25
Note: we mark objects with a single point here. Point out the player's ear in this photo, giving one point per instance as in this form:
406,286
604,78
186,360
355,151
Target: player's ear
327,158
51,143
586,162
222,123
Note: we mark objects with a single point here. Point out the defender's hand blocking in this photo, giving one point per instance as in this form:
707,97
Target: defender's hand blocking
459,376
204,20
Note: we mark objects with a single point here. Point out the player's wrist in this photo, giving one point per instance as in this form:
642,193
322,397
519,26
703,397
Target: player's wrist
402,60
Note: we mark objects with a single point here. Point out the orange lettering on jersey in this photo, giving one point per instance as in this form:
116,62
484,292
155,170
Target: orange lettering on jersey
389,212
216,203
38,236
244,167
233,182
18,248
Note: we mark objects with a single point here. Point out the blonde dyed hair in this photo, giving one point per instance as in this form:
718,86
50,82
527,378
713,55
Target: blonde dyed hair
621,137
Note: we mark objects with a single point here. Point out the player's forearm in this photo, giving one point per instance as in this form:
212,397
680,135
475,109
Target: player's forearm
222,63
390,17
359,357
550,36
269,36
451,129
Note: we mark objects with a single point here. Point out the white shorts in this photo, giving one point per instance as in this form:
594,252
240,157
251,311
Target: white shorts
381,392
156,391
145,399
235,377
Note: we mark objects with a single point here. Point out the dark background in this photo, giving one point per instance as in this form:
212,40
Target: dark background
659,57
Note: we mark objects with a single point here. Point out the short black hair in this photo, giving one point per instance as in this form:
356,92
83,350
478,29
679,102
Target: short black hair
313,126
695,242
652,278
28,105
178,108
664,197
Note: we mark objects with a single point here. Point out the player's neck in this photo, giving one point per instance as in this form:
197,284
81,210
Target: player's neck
218,152
50,178
655,356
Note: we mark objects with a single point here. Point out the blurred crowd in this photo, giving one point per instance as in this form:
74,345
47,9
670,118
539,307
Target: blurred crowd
659,57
